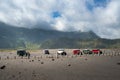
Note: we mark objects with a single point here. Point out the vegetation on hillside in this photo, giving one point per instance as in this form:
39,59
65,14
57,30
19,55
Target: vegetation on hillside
17,38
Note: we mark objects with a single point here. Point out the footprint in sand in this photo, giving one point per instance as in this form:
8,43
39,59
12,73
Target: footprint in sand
19,73
69,64
3,67
86,59
118,63
40,77
32,60
53,59
42,62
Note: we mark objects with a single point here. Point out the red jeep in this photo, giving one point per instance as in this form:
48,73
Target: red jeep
77,52
96,51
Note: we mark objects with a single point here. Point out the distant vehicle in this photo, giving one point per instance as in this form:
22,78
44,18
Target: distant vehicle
96,51
23,53
61,52
46,51
87,51
77,52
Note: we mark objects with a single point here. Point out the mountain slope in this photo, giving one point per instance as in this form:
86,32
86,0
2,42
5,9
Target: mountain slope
81,43
15,37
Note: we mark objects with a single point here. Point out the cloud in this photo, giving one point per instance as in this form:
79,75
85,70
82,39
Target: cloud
100,16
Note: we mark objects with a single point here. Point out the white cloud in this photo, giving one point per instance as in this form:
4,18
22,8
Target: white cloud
107,20
75,15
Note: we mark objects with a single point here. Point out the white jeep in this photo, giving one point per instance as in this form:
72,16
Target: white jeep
61,52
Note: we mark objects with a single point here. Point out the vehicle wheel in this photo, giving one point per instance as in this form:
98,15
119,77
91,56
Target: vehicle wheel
81,53
100,52
64,53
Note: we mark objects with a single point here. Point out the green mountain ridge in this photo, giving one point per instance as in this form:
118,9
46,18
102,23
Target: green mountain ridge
81,43
16,37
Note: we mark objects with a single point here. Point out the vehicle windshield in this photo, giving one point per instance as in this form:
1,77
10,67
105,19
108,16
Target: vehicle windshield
61,50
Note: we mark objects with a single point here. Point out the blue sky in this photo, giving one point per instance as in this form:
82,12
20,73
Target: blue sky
97,3
100,16
56,14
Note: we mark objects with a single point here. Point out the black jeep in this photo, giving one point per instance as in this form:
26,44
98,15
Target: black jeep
22,53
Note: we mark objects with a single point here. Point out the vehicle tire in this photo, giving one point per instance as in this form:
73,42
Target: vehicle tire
100,52
64,53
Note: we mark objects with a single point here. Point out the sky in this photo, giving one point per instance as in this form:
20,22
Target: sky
100,16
